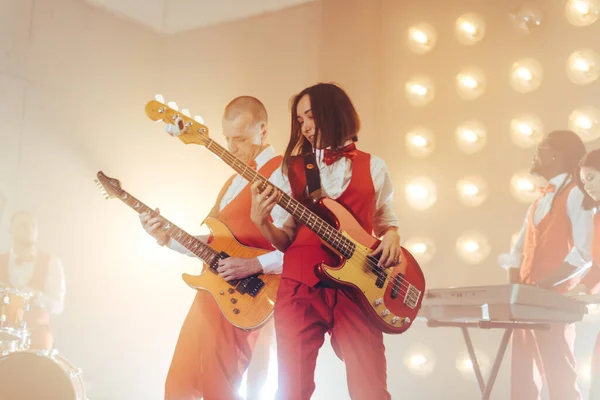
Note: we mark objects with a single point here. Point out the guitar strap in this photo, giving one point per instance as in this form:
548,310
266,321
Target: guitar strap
313,180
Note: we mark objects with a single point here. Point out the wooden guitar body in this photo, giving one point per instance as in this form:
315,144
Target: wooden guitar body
239,303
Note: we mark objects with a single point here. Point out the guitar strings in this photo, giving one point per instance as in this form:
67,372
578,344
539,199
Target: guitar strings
243,169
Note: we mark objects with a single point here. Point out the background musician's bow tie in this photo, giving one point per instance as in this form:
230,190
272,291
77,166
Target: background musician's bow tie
252,164
332,156
20,260
549,188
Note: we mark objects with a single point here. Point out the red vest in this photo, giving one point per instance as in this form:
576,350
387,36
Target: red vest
36,315
592,278
547,244
306,252
236,214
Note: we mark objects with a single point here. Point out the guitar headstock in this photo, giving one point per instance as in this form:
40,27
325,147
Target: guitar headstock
190,130
110,187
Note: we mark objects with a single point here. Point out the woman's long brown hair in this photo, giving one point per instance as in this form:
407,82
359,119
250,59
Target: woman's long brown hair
336,120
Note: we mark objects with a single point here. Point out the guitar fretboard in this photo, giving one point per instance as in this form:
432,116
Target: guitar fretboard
300,212
198,248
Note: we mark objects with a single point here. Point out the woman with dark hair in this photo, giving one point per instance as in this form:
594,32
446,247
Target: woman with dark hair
589,183
325,122
552,246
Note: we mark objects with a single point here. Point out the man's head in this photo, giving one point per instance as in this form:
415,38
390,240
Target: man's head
245,127
24,228
557,153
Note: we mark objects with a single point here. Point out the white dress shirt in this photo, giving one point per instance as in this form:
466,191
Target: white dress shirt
582,224
271,262
52,299
335,178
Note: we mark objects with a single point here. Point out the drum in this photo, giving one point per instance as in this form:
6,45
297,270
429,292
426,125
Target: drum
42,375
14,304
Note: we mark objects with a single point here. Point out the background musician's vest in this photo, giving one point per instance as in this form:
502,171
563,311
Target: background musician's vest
306,251
236,214
36,315
547,245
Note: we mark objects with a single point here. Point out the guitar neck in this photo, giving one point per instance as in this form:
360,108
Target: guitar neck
197,247
300,212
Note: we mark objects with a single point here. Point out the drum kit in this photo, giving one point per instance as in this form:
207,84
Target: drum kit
26,373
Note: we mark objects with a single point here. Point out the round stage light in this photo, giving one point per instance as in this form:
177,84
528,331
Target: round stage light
471,136
421,38
473,247
470,83
526,130
472,190
582,12
420,142
421,193
469,29
422,248
584,121
419,91
526,75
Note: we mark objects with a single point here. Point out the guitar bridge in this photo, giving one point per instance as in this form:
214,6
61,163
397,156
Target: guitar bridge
411,299
250,285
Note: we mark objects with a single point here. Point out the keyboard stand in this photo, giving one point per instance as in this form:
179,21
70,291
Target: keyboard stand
509,327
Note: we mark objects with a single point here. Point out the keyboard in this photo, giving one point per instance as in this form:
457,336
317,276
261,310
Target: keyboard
500,303
587,298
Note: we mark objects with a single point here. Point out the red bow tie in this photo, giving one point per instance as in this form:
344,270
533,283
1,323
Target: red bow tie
332,156
21,260
549,188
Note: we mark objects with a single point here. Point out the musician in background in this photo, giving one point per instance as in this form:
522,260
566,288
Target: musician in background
589,183
27,268
325,121
212,355
554,241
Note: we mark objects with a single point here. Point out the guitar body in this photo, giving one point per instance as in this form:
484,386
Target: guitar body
392,299
241,309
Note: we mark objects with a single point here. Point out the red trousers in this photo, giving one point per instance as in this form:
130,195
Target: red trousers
538,354
595,372
211,355
303,314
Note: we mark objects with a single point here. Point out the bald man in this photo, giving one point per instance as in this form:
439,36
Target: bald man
212,355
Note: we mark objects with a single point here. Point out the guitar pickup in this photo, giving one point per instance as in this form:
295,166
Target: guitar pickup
381,273
250,286
398,279
381,277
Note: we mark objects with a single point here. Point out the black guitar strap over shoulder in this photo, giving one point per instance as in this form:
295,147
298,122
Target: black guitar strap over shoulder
313,180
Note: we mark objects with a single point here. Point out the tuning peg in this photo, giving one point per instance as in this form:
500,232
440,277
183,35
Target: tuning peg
186,112
199,119
173,105
160,98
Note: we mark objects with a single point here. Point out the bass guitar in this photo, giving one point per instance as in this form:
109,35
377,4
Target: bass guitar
247,303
